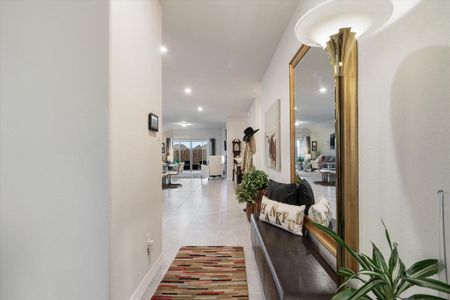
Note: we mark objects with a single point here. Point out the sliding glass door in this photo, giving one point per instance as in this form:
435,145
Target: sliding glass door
192,152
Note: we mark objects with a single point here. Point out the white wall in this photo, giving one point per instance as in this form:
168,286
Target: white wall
321,132
404,107
135,91
79,169
404,136
275,85
235,130
54,150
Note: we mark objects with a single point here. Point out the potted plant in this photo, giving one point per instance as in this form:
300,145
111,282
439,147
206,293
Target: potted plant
250,190
386,280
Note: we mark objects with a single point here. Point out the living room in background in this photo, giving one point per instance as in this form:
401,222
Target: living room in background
314,121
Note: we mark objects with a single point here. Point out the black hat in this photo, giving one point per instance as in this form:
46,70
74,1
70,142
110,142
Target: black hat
248,132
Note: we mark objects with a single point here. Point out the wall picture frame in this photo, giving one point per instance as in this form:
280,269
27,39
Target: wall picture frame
314,146
272,136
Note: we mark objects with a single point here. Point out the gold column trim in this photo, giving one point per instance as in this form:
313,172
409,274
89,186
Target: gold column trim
343,54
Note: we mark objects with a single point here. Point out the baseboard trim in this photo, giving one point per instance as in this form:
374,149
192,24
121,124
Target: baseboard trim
142,287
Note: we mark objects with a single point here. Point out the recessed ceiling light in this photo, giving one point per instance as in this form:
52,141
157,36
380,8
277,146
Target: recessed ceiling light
200,108
187,90
323,90
298,123
184,124
163,49
295,108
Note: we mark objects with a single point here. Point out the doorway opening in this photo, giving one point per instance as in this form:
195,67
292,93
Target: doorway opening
193,153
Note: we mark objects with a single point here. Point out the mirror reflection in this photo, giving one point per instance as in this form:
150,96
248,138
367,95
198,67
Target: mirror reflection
315,136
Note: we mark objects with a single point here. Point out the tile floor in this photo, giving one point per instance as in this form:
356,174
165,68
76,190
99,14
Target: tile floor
205,212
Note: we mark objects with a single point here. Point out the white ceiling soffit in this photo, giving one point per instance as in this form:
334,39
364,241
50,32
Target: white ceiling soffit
220,49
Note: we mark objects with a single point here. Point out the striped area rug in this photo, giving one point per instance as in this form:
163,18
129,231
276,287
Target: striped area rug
205,272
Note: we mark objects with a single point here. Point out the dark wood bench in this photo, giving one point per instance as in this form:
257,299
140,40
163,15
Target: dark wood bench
290,266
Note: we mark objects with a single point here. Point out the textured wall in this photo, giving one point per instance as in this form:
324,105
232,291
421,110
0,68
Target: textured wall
54,150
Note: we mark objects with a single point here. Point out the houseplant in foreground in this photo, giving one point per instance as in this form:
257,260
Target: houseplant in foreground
386,280
250,189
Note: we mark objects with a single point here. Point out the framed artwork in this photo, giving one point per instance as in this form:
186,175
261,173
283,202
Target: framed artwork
314,146
163,148
272,137
152,122
332,141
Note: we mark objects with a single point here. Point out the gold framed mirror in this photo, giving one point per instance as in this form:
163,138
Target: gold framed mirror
324,136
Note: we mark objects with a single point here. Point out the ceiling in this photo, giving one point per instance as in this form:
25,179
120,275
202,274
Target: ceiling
220,49
313,73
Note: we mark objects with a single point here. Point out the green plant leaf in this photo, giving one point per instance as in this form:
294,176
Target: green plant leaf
387,280
396,266
343,295
347,294
430,284
425,297
371,265
378,259
341,242
423,268
381,293
355,276
388,237
366,288
345,272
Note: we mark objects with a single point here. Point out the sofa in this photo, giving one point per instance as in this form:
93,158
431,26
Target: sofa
317,164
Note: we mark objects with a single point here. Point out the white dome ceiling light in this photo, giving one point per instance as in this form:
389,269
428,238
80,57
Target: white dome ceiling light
324,20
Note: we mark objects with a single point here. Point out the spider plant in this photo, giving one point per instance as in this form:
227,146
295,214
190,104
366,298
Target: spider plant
386,279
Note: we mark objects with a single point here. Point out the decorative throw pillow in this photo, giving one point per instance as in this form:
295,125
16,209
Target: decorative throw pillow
321,212
282,192
285,216
305,194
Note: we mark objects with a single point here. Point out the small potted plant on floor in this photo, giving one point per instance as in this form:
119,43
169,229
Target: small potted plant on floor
387,279
250,191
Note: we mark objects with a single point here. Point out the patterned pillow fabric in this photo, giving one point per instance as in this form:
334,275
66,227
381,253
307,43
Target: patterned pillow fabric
321,212
285,216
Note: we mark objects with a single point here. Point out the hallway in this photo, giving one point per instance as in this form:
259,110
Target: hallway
205,212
